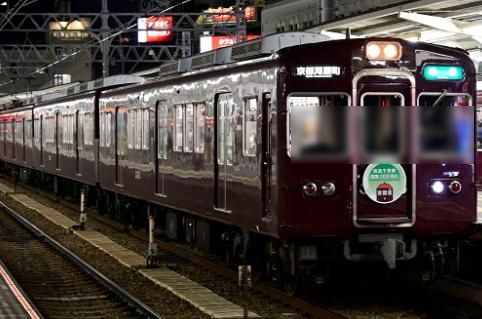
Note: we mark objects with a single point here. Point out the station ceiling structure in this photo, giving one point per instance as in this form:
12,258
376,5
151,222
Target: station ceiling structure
447,22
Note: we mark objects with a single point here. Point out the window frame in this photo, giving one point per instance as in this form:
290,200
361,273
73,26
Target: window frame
199,142
175,145
244,121
309,94
162,130
188,146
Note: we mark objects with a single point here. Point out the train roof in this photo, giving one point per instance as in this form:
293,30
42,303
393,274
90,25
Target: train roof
17,102
256,48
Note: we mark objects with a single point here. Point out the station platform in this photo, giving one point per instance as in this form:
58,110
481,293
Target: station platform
14,303
198,296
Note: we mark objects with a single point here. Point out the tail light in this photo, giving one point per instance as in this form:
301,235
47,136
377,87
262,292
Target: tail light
455,187
383,51
310,189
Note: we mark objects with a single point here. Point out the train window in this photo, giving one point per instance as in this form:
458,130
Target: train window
65,125
249,126
446,122
131,128
121,119
105,129
2,130
479,128
9,132
178,130
162,126
383,123
102,129
19,131
138,130
317,125
36,128
189,128
108,128
88,128
199,130
145,129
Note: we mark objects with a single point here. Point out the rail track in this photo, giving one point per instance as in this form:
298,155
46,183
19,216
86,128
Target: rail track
61,284
181,252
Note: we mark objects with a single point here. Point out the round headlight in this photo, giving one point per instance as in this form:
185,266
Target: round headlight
373,51
390,51
437,187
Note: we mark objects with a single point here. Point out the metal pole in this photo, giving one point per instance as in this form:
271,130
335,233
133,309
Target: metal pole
105,45
152,253
83,214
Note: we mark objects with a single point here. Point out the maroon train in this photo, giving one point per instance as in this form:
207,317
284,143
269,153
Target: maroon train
257,148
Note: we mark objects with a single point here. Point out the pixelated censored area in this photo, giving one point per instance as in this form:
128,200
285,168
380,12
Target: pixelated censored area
441,129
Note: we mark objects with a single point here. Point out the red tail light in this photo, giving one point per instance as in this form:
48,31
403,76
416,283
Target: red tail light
310,189
455,187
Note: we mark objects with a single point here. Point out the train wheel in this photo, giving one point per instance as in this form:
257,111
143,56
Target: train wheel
291,284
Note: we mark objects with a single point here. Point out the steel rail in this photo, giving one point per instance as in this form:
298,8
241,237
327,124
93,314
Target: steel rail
132,302
297,303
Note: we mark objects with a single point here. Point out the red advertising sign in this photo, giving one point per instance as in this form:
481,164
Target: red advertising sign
225,16
155,29
209,43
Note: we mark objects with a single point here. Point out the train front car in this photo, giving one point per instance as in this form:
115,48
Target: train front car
375,153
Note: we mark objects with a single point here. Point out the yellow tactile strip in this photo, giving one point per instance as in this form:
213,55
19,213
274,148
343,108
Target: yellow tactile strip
200,297
197,295
5,189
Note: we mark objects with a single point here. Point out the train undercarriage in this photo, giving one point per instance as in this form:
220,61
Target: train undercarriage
292,265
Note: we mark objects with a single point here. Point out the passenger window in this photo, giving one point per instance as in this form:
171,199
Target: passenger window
249,127
145,129
106,129
162,131
88,129
178,120
121,131
131,128
138,136
189,128
199,132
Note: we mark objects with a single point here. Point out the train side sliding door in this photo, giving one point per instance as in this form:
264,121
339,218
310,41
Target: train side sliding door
161,146
225,111
266,154
57,139
120,143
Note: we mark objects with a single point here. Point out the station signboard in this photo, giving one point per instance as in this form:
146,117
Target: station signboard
210,42
155,29
74,31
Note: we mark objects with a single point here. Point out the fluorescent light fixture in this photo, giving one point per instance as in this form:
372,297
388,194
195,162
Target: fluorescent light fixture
4,3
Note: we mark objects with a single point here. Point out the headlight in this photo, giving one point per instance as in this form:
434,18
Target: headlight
383,50
437,187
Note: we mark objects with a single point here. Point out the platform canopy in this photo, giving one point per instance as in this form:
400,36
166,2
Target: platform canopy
448,22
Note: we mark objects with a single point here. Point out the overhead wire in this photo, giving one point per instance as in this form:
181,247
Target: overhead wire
86,45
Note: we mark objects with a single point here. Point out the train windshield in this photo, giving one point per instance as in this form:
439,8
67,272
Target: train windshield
317,125
383,119
447,125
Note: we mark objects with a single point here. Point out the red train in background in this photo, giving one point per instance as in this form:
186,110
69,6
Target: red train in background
292,152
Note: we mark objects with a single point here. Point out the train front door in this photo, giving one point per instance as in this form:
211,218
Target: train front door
385,178
224,150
